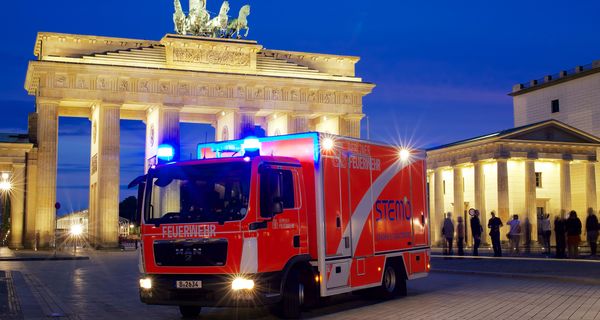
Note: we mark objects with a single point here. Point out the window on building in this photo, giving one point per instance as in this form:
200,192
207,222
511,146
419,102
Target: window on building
555,106
538,179
444,186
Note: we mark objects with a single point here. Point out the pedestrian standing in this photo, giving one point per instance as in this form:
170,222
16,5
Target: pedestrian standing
494,224
573,234
448,232
460,236
546,233
514,234
476,231
560,232
592,228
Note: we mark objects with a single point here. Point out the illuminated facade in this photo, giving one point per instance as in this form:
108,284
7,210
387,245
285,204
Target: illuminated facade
572,97
17,170
547,167
232,85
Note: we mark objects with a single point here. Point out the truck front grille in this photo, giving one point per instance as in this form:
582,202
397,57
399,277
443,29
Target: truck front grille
190,253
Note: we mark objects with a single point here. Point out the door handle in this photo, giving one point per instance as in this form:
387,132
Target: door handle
347,242
338,222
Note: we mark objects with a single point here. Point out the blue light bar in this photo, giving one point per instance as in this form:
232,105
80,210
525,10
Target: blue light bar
237,146
165,152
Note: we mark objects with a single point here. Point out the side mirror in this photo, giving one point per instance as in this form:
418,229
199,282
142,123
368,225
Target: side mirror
277,207
140,203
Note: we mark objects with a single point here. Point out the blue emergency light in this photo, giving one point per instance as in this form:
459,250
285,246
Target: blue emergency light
165,153
251,147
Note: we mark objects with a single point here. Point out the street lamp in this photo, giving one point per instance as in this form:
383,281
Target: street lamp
76,231
5,188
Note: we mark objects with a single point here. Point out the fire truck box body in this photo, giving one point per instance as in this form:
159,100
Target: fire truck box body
334,210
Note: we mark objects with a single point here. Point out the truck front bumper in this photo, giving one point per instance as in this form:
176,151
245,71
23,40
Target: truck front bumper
216,291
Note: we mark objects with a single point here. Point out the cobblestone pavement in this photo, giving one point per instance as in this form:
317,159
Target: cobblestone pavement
105,287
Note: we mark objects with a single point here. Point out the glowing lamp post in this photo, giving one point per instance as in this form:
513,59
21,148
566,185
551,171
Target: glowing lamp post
76,231
5,188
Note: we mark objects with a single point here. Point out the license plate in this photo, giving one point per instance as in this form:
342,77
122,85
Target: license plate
189,284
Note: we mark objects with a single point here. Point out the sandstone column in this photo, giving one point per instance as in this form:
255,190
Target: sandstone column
479,183
438,215
592,200
459,195
47,136
530,196
162,127
565,186
103,220
31,200
298,123
17,206
350,125
244,123
503,204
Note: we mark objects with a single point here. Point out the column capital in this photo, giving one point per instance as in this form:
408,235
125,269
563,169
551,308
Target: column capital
46,101
18,166
567,157
357,116
171,106
246,110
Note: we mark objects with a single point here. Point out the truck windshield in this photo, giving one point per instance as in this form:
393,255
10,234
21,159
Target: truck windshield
199,193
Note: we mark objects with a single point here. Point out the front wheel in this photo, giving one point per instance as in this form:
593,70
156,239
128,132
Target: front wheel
293,296
189,311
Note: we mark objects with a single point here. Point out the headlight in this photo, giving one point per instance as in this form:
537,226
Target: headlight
146,283
242,284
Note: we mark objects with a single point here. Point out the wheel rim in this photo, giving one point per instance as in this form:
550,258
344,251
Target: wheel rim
300,293
389,279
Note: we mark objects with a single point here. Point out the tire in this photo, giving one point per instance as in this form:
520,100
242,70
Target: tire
293,296
189,311
390,282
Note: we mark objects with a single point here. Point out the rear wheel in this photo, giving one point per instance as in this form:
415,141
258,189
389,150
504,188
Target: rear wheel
390,282
189,311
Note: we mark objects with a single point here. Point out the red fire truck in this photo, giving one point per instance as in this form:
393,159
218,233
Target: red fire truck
282,220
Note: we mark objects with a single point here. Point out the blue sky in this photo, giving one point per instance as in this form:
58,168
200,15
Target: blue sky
442,68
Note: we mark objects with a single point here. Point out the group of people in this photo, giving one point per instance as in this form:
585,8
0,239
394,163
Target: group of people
567,233
448,233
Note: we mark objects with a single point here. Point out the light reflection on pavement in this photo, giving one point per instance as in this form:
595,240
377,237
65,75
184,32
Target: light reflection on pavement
105,287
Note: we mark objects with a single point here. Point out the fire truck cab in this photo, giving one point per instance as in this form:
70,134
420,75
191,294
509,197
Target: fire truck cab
282,220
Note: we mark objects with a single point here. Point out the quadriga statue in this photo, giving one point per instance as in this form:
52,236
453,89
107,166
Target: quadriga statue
199,22
237,25
198,17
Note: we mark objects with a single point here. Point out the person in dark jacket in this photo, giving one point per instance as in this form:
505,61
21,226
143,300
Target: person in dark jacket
494,224
591,229
448,233
476,230
560,234
573,225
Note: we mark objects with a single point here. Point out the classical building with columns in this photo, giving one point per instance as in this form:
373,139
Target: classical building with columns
546,167
16,153
232,85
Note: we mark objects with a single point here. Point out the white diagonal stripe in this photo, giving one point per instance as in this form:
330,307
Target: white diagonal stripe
362,211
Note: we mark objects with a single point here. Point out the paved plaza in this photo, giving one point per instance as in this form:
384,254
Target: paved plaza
105,287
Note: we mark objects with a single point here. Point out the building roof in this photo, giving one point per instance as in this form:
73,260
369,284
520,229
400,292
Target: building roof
551,80
515,132
14,138
96,50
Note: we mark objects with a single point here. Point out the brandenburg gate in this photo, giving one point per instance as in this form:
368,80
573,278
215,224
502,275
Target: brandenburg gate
231,84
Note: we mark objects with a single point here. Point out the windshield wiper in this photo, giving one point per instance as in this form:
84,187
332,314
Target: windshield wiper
168,216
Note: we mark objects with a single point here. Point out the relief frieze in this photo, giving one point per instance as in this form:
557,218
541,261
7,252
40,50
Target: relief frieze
218,57
212,90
